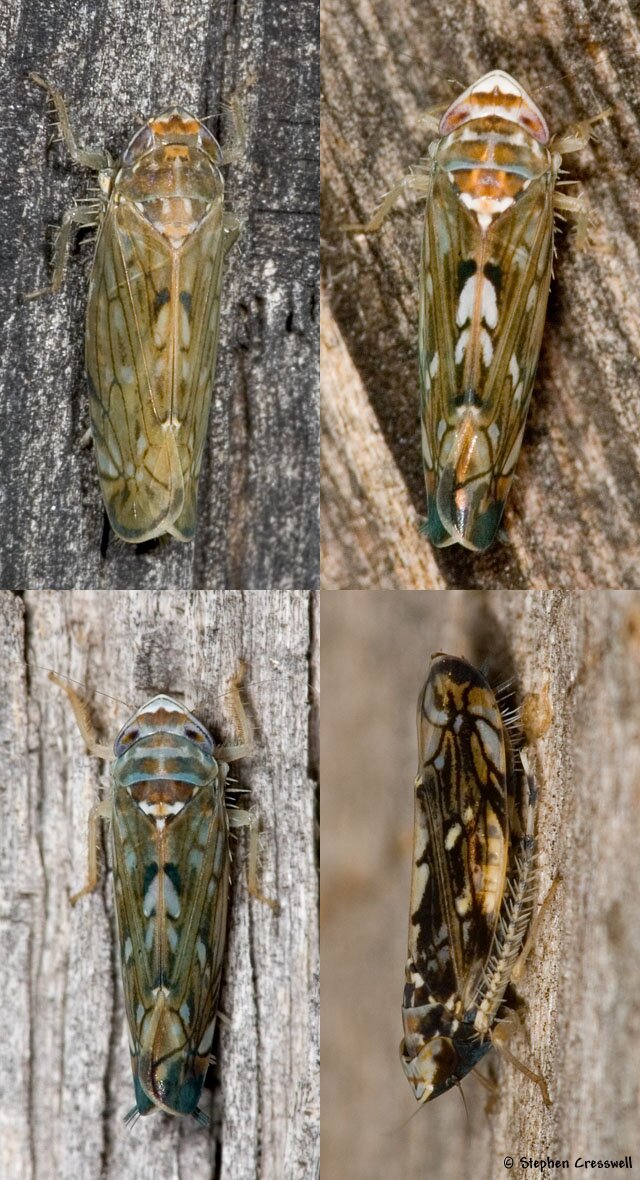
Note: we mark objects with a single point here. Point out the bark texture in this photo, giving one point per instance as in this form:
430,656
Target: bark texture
258,495
581,654
573,514
65,1077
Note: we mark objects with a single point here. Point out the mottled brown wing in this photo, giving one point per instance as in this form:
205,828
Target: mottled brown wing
472,428
151,341
171,893
461,851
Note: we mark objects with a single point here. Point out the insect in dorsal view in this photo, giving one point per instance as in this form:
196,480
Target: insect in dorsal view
152,314
170,818
490,185
473,882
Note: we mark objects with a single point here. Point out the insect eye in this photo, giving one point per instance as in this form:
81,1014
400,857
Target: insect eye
195,735
129,736
142,141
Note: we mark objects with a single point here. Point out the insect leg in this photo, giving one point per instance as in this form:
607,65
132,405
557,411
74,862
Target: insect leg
87,158
239,818
518,969
578,136
416,182
250,820
100,810
245,733
81,713
78,215
429,120
499,1037
234,151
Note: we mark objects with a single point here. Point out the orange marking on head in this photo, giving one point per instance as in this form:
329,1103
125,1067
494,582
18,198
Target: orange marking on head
174,124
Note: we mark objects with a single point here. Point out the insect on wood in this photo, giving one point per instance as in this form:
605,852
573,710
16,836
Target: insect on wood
153,313
491,188
170,818
473,881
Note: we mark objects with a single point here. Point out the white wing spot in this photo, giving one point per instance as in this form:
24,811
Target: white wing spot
489,304
151,898
466,301
172,901
487,348
452,836
463,904
461,346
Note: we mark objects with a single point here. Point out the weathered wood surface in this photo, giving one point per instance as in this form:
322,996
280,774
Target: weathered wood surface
573,516
258,499
582,978
64,1070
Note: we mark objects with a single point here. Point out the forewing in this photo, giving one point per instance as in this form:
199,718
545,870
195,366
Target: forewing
197,318
461,832
477,372
171,894
198,845
130,376
135,861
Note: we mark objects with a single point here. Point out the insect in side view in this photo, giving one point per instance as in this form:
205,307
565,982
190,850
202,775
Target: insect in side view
153,314
170,821
490,185
473,882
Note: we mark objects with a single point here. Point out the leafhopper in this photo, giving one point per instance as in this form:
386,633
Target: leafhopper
153,313
490,182
170,817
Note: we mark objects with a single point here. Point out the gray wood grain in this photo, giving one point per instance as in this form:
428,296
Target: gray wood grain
582,652
258,497
573,515
64,1071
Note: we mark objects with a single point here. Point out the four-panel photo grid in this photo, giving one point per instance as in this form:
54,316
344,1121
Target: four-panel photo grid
319,589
